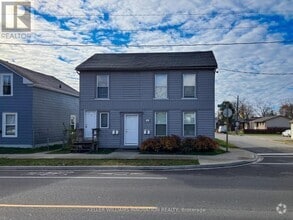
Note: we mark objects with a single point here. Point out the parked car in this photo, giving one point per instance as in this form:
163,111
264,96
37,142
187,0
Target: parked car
286,133
222,129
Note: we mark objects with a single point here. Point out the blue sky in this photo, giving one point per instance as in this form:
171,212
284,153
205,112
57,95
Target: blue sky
264,72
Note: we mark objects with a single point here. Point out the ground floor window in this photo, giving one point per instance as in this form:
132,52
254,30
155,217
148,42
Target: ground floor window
189,123
161,123
9,125
104,120
72,122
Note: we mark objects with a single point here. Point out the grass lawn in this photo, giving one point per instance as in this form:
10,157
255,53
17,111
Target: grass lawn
223,143
264,135
289,142
68,151
55,149
94,162
10,150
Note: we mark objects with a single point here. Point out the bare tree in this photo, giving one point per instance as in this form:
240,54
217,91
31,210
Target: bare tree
286,109
245,109
264,109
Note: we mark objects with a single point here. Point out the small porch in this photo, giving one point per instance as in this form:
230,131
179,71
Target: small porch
82,144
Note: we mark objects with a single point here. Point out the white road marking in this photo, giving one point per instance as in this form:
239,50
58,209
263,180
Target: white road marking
107,208
275,154
276,163
86,177
80,207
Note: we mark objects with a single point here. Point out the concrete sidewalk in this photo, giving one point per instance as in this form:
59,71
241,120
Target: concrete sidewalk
233,157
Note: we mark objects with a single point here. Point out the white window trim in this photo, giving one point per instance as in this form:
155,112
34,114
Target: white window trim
97,94
156,124
4,124
2,83
158,98
195,93
194,113
101,120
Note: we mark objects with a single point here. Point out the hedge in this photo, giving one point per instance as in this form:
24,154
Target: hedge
174,144
265,131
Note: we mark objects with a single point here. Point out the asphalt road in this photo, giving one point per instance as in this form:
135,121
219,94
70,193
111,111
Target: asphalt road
246,192
263,190
260,144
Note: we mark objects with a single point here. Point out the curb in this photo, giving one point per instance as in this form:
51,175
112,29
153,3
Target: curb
132,168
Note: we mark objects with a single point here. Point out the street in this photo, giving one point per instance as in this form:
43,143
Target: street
261,190
260,143
247,192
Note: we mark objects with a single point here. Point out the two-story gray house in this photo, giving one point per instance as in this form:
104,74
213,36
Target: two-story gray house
135,96
34,107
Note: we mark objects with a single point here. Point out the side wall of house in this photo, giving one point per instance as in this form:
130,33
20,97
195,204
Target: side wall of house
278,122
133,92
51,115
21,103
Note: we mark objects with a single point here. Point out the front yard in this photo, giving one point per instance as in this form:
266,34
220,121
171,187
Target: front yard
95,162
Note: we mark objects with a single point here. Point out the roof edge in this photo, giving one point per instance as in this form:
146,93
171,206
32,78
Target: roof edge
145,69
55,90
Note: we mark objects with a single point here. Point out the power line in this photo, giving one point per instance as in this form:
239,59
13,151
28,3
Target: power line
192,13
145,45
149,29
256,73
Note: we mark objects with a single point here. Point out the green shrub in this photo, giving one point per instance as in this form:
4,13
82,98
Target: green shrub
204,144
187,145
272,130
151,145
170,143
174,144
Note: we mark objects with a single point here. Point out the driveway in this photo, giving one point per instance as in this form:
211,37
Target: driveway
260,143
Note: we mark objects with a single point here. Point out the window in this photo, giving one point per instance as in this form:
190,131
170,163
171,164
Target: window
161,86
104,120
73,122
161,123
9,124
188,123
189,86
6,84
103,86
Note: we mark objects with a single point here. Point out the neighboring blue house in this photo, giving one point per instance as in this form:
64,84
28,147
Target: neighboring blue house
34,107
135,96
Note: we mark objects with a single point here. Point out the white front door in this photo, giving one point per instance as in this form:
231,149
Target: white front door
90,122
131,130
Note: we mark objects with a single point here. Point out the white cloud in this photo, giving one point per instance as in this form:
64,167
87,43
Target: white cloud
87,16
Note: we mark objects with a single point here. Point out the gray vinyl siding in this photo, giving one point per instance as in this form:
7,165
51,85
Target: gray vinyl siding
51,114
40,113
20,103
133,92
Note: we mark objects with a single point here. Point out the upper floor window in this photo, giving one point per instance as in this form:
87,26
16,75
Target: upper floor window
189,90
160,86
161,123
9,124
103,86
6,84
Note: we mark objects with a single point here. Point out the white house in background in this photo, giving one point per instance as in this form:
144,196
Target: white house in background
270,122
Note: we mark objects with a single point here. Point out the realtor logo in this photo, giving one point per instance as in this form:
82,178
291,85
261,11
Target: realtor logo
16,16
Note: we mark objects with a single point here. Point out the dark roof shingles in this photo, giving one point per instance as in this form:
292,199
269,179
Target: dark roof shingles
149,61
41,80
264,119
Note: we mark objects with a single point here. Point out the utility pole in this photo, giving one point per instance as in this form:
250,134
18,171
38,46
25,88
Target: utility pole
227,121
237,114
227,112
